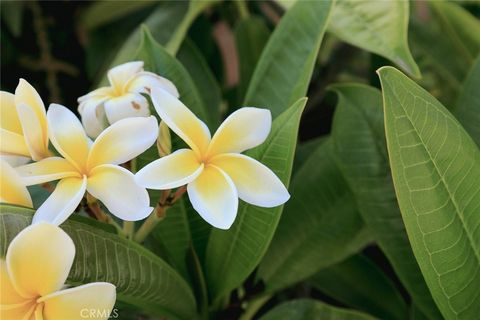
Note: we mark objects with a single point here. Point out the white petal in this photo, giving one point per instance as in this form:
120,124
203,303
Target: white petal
78,302
100,93
181,120
243,129
14,161
255,182
68,135
118,191
33,132
119,75
126,106
144,82
93,116
48,169
62,202
172,171
123,141
214,196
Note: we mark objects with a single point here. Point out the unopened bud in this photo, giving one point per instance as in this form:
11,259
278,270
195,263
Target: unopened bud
164,141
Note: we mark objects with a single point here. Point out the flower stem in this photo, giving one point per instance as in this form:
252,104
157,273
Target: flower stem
100,215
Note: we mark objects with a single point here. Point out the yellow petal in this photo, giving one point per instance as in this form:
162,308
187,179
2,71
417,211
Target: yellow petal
33,133
90,301
12,143
98,94
181,120
172,171
119,75
8,113
123,141
68,135
48,169
26,94
255,183
62,202
116,188
243,129
20,311
39,259
93,117
8,294
12,190
144,82
214,197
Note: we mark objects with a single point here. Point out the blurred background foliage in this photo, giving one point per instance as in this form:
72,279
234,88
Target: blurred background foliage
64,48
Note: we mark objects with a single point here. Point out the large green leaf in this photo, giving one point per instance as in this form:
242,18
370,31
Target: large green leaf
357,282
361,150
320,225
158,60
233,254
309,309
251,35
142,279
377,26
436,172
468,105
283,73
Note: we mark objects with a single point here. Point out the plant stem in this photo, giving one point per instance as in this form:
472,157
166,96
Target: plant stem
242,9
157,215
129,226
100,215
254,305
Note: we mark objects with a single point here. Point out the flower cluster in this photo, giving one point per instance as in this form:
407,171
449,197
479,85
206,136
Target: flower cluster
119,121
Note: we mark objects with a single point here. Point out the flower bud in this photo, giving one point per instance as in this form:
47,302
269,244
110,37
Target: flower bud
164,141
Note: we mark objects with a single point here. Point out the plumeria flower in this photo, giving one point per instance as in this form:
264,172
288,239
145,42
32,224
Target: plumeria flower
23,123
12,190
33,274
215,172
92,167
122,99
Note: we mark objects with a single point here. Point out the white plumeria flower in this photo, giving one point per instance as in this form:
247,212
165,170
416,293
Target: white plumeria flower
92,167
122,99
33,274
12,190
214,170
23,124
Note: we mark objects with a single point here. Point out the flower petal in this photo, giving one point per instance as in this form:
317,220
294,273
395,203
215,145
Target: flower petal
68,135
23,310
214,196
144,81
100,93
48,169
126,106
93,116
118,191
12,143
243,129
8,113
119,75
39,259
14,161
12,190
95,299
123,141
33,133
181,120
8,293
172,171
255,182
26,94
62,202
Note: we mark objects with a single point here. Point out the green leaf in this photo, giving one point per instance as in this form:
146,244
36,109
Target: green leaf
377,26
468,104
192,59
12,16
104,12
304,150
436,169
159,61
309,309
359,139
142,279
283,73
320,225
357,282
251,35
233,254
461,27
